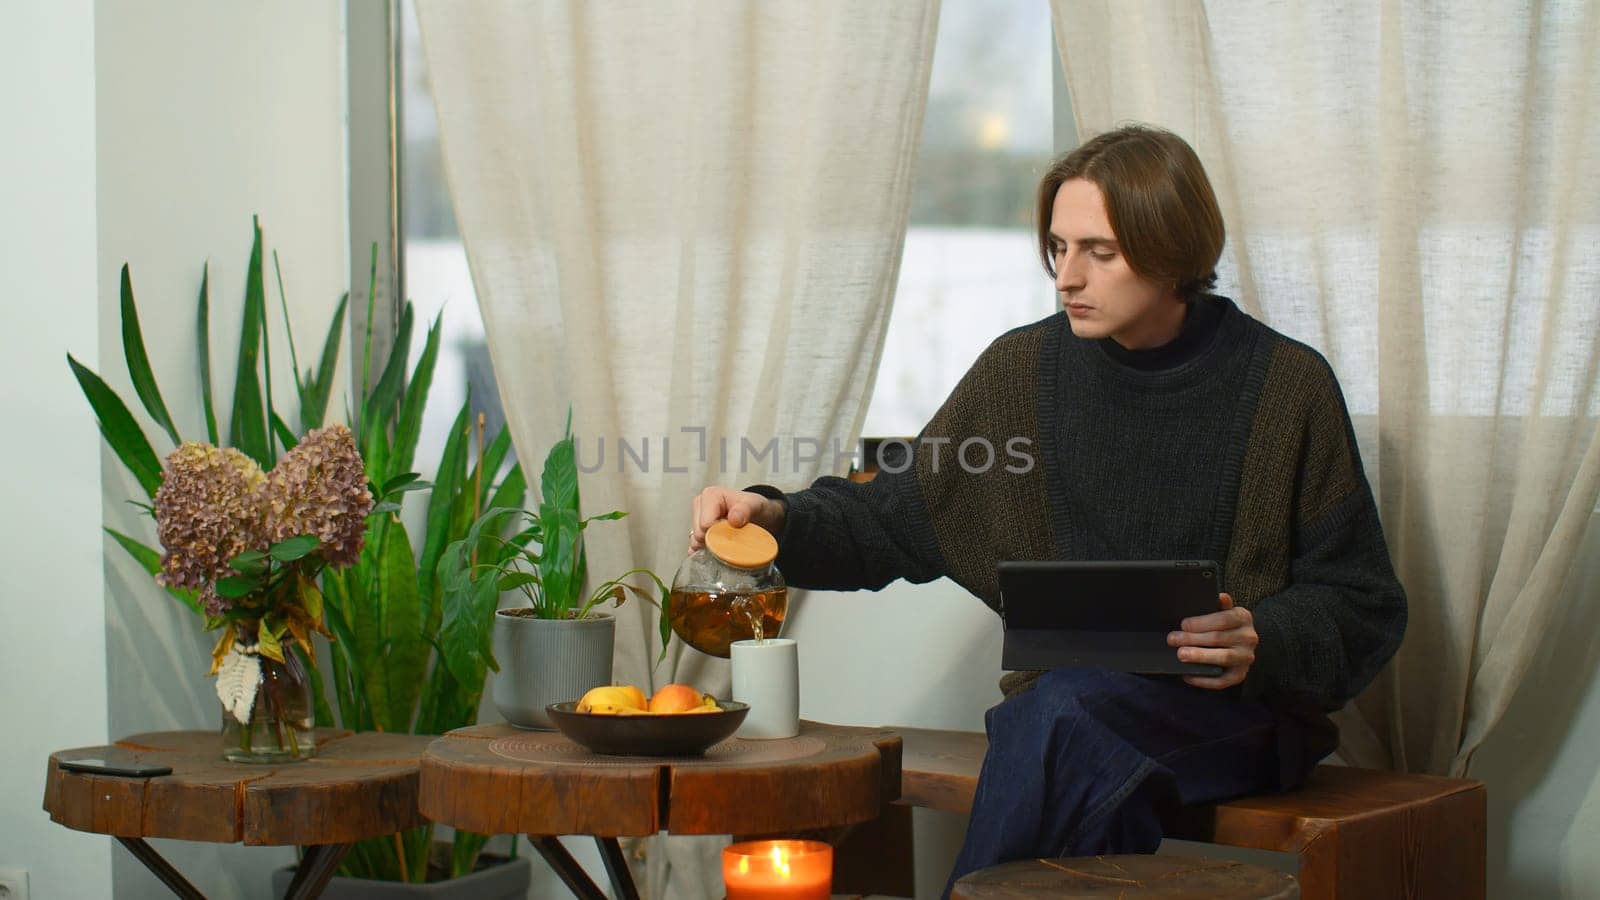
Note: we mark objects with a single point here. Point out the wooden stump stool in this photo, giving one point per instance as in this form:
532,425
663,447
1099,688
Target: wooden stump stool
1154,877
357,786
495,779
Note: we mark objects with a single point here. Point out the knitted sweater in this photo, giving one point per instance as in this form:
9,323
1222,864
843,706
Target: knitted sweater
1242,454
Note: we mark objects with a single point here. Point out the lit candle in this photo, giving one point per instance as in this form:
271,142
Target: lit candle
778,870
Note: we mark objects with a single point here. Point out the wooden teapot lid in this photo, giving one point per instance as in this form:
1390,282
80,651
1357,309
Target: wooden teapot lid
749,547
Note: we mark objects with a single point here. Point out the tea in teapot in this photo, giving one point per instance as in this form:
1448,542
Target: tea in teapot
729,590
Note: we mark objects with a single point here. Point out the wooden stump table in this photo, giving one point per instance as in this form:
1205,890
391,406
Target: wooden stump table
495,779
1127,876
357,786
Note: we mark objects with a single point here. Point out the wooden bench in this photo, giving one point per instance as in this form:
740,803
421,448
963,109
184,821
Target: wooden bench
1359,833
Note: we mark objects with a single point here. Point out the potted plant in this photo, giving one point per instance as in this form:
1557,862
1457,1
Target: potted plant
385,611
558,646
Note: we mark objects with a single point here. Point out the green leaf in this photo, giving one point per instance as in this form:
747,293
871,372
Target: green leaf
605,517
464,852
317,389
288,330
285,436
323,714
248,428
384,506
144,380
235,586
294,548
375,456
530,535
119,428
379,409
372,304
512,492
269,645
400,616
434,695
558,558
469,603
494,456
203,342
664,622
452,468
310,598
147,557
563,564
454,568
414,403
250,562
465,632
558,485
266,378
513,580
580,572
353,713
361,610
399,484
150,559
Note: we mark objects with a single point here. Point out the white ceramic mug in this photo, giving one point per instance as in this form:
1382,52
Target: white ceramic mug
766,675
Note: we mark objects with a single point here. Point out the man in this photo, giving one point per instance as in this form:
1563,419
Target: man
1168,424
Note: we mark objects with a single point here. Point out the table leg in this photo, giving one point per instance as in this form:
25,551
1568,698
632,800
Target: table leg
617,868
163,870
316,868
572,874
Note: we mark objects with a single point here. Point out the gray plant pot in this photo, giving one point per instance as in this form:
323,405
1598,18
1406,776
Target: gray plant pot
504,880
545,661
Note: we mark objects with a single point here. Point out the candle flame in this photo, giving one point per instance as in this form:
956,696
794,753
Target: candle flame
744,865
780,861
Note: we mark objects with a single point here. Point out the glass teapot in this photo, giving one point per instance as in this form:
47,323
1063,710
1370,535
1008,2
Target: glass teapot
729,590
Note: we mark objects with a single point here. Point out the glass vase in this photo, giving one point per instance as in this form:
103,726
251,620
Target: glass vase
280,725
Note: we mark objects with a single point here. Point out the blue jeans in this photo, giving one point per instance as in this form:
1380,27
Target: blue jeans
1090,761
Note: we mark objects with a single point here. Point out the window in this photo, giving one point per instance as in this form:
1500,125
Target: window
438,282
969,272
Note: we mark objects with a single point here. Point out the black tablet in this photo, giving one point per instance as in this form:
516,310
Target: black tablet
1103,614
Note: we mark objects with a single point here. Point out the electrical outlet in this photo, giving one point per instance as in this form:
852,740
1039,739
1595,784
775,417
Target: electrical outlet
13,884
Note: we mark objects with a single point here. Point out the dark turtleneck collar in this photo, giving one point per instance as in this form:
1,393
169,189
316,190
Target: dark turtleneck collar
1200,324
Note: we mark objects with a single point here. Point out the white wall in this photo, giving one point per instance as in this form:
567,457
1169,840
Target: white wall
921,656
206,114
51,588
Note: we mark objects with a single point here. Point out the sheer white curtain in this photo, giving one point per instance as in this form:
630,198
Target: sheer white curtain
1410,188
685,220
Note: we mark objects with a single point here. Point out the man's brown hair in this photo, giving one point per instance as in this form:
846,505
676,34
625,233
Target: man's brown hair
1158,199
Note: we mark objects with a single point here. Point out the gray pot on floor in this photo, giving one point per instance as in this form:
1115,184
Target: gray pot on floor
545,661
503,879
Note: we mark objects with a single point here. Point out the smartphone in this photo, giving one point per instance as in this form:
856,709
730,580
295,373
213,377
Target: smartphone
100,765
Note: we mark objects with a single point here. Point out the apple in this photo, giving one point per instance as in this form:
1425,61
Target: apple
613,700
678,698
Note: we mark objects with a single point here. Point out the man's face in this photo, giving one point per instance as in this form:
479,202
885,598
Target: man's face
1102,295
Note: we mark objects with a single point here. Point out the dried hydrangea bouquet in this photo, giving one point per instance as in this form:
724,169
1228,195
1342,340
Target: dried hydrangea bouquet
252,544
